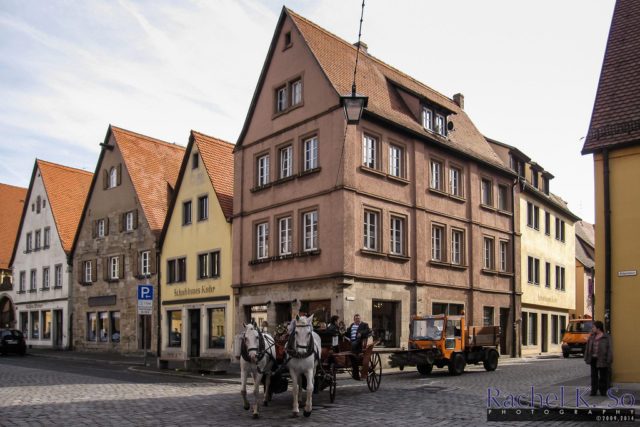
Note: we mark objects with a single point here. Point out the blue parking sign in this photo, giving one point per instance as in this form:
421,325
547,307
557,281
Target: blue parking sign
145,292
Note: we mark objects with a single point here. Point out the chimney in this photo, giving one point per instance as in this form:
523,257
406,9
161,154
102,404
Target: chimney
363,46
458,98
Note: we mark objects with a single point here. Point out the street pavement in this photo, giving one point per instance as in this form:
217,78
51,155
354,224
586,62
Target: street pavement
70,388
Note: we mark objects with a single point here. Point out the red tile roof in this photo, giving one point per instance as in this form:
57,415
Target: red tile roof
615,119
67,190
13,199
153,166
217,156
378,81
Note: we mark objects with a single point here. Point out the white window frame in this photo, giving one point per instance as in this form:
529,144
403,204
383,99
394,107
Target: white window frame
145,263
128,221
286,162
487,253
370,152
45,278
437,231
311,153
100,225
114,270
310,227
281,99
435,175
427,119
455,175
397,230
533,270
87,271
371,220
504,255
284,233
263,170
57,280
457,245
262,240
296,92
396,161
440,125
113,177
23,281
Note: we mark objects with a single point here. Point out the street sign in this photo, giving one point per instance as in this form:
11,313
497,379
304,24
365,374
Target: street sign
145,299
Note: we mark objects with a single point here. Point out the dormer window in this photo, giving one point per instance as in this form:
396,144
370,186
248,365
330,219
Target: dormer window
434,122
534,178
440,125
427,119
545,185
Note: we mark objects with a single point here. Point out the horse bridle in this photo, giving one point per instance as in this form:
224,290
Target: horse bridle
293,352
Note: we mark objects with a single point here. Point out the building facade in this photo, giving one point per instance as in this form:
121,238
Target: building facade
196,306
547,249
40,257
12,198
409,212
116,244
585,269
614,141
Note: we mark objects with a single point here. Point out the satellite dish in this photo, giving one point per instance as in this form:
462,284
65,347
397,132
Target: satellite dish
450,126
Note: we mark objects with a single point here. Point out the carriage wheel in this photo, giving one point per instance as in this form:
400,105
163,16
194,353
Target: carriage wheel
374,376
333,384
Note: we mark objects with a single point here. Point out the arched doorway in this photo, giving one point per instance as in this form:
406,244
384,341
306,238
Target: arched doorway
7,313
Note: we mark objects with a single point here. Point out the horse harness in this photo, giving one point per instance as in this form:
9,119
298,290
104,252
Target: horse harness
292,347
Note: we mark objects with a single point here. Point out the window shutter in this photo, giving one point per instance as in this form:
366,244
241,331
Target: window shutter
106,226
94,270
152,261
119,177
94,231
123,218
135,219
121,267
135,263
80,272
105,268
105,179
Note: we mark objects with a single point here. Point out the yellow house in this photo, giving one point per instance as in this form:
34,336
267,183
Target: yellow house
614,140
196,296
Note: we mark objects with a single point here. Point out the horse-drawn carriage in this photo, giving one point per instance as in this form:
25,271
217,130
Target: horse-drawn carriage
313,359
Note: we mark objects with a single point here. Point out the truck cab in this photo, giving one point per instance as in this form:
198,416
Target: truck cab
575,337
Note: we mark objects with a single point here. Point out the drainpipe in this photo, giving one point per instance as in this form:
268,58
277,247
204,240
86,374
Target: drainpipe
159,312
514,347
607,242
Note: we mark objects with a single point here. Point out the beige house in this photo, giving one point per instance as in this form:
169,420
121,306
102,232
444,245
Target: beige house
116,245
547,249
585,269
409,212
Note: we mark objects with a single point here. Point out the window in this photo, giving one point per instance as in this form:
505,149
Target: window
209,265
559,229
195,161
554,329
145,263
186,212
488,253
487,197
103,326
114,268
217,335
47,238
536,217
113,177
35,325
534,178
370,230
455,182
29,247
45,277
37,240
397,236
281,99
533,270
440,125
559,278
396,158
287,39
310,225
487,316
32,282
100,228
533,328
436,242
503,201
284,233
525,327
203,208
370,152
92,332
457,237
446,308
263,170
436,175
296,92
174,319
547,275
24,323
311,153
547,223
545,185
114,321
262,240
427,119
128,221
87,271
23,281
176,270
384,322
57,276
504,255
286,157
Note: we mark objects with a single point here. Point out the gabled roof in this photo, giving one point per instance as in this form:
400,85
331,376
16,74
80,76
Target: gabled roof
153,167
382,84
13,201
586,232
217,156
585,243
615,120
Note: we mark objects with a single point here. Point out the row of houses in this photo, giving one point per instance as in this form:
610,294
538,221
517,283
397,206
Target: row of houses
412,211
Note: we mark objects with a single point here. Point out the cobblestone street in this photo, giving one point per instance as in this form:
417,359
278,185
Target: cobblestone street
42,391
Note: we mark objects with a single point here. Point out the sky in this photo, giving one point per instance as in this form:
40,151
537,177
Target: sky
529,71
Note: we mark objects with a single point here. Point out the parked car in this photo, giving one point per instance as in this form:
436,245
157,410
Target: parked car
575,337
12,341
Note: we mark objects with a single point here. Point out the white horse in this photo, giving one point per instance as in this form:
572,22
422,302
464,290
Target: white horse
304,351
257,351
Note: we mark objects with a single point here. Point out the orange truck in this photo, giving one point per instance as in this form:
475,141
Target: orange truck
575,337
441,340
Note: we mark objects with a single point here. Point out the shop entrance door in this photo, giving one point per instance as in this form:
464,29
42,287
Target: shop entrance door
194,333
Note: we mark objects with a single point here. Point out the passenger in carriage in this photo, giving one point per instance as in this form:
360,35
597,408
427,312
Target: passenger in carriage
356,333
334,328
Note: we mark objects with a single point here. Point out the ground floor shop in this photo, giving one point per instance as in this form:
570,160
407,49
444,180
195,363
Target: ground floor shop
542,329
45,323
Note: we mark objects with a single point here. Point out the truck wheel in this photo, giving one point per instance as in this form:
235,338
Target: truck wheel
424,368
491,362
457,364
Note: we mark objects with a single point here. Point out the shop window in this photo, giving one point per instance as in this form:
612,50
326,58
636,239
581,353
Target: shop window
46,325
446,308
115,326
91,327
321,310
217,324
174,318
103,326
383,322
